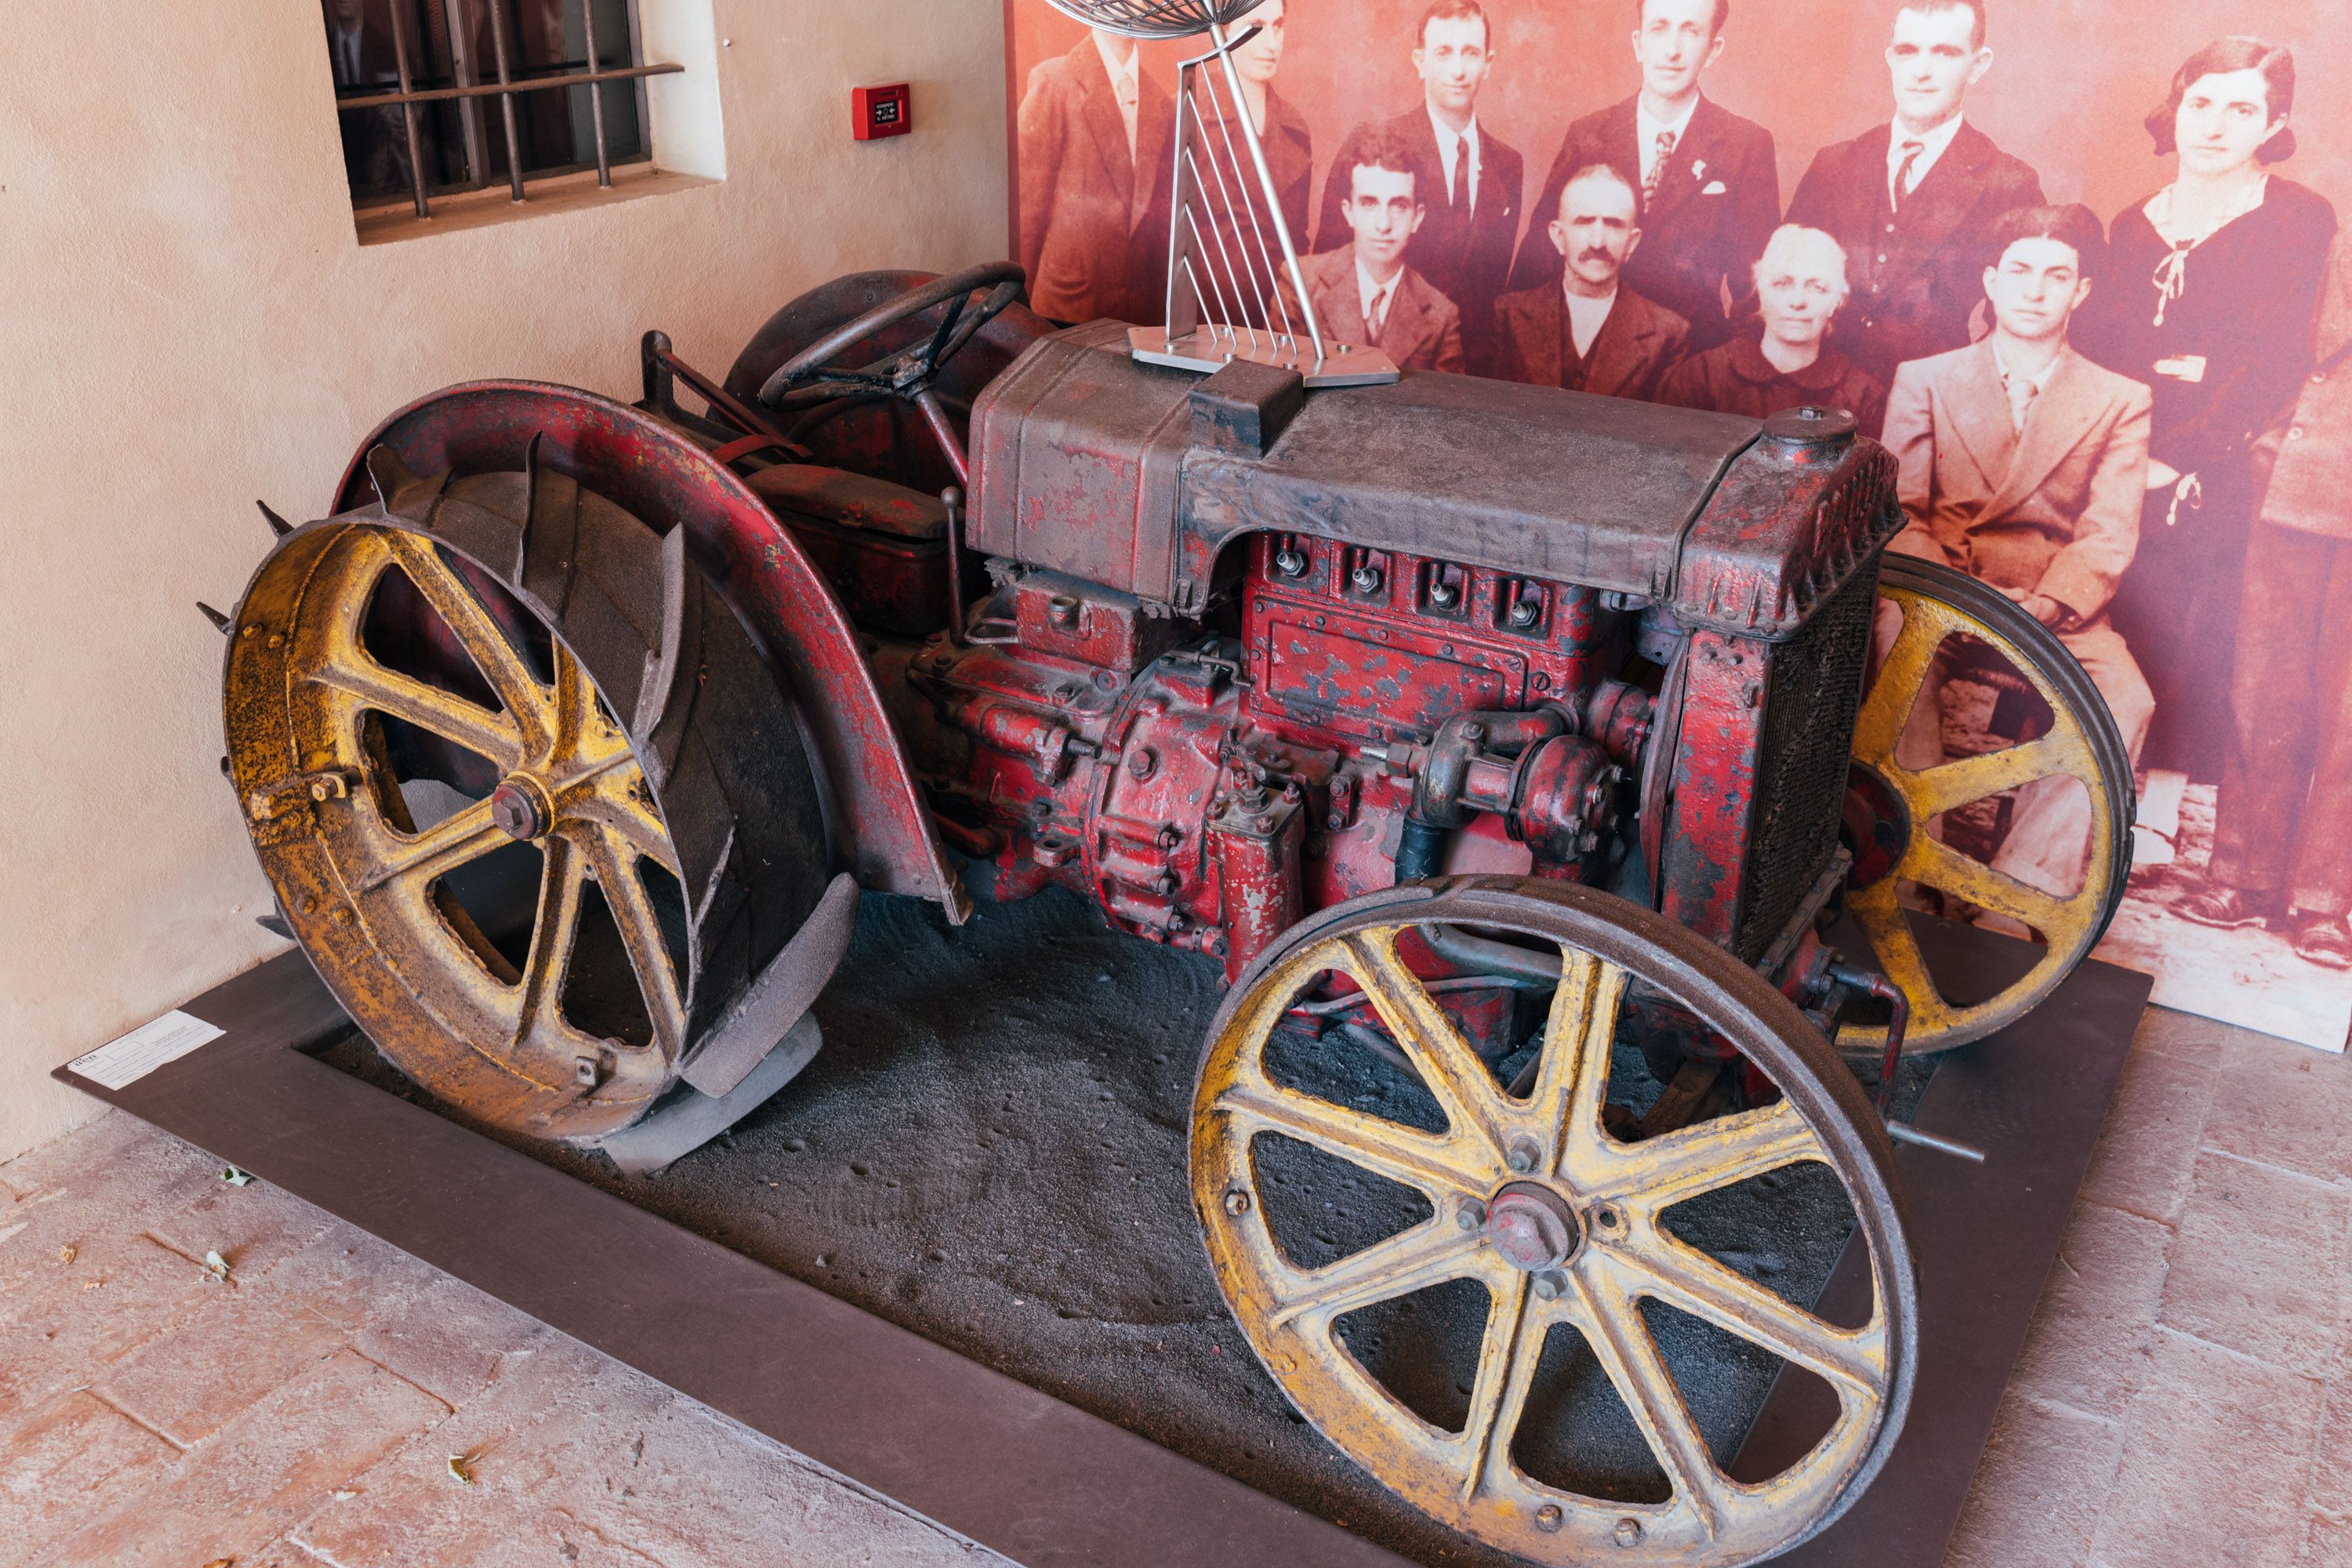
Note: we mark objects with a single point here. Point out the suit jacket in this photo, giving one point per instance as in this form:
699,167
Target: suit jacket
2053,510
2301,460
1636,346
1088,252
1717,203
1466,258
1916,277
1423,331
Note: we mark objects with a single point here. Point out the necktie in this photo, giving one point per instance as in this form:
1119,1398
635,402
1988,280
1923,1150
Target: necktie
1901,189
2021,394
1658,166
1464,195
1379,319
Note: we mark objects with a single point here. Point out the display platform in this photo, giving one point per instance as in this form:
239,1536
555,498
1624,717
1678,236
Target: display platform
954,1261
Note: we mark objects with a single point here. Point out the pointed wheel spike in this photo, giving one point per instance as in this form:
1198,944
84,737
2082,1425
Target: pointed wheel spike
278,525
221,623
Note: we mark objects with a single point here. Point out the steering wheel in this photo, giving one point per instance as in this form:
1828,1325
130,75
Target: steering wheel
809,375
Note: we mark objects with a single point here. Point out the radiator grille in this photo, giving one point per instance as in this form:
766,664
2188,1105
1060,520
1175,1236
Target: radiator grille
1809,706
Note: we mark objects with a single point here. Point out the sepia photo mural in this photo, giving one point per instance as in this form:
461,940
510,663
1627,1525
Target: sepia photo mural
2073,261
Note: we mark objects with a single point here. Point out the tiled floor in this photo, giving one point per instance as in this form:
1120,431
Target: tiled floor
2186,1399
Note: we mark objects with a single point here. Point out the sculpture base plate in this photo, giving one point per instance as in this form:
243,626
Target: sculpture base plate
1212,348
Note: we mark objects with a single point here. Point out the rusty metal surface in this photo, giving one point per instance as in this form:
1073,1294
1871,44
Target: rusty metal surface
1078,446
650,470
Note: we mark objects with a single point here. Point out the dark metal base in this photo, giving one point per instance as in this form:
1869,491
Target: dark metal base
1026,1474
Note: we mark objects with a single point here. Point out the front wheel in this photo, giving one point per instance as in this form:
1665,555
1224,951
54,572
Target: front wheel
1467,1276
1940,827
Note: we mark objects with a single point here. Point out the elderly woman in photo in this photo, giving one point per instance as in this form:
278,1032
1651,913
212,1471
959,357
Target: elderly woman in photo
2207,297
1800,284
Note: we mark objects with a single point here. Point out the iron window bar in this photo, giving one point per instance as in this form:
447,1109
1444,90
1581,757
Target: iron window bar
505,88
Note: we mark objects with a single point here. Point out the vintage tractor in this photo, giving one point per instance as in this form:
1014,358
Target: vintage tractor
1508,747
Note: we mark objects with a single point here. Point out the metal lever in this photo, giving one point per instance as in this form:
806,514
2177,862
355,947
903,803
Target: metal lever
1898,1023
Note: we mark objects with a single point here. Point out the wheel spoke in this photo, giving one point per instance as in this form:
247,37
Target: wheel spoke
482,639
1421,1160
1659,1172
1887,928
610,799
1508,1353
553,931
1949,786
1431,1253
469,725
456,840
1902,676
1460,1083
1578,1034
615,864
1685,1277
1935,865
1621,1342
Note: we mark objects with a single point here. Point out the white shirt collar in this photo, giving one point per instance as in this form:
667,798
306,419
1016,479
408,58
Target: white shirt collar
1448,144
1650,125
1369,288
1935,141
1127,72
1586,317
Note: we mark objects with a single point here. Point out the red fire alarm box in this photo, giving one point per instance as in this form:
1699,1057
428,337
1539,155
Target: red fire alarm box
878,111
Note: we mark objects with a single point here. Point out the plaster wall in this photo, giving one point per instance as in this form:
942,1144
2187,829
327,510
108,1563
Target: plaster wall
189,322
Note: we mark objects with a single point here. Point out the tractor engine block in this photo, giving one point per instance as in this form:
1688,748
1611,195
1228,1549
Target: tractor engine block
1380,716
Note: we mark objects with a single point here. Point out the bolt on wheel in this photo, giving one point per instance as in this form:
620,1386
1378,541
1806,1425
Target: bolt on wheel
1556,1242
1910,804
526,883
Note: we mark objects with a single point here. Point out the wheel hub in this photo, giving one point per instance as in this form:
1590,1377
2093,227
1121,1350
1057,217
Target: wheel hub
519,808
1533,1227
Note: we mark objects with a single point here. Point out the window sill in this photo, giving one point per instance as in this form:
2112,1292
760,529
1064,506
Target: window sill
480,209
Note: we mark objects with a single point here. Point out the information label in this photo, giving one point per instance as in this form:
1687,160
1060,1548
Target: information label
132,1057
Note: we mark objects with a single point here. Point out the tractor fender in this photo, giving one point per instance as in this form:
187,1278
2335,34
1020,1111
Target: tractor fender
880,825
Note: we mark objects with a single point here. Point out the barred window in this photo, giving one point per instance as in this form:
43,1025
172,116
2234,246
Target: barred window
438,97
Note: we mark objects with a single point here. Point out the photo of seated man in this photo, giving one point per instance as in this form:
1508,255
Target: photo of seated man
1093,132
2023,464
1367,294
1587,331
1800,288
2282,819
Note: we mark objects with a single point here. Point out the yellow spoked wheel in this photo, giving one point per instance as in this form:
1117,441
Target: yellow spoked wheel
463,826
2076,771
1567,1235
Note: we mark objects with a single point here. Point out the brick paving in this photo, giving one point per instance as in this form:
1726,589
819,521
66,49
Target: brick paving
2186,1396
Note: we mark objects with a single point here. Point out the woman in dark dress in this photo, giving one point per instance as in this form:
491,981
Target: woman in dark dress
2207,296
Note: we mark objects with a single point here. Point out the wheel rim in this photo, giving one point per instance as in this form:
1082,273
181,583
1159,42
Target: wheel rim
568,782
628,830
2081,744
1617,1251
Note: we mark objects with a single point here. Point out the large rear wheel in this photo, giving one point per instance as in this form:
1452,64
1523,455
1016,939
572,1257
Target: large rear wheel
1519,1203
525,789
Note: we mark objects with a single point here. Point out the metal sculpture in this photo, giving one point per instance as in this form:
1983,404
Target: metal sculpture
1234,290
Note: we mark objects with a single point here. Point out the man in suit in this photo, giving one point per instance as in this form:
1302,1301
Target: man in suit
1586,331
1368,294
2282,821
1800,288
1471,182
1915,200
1094,180
2022,463
1710,184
